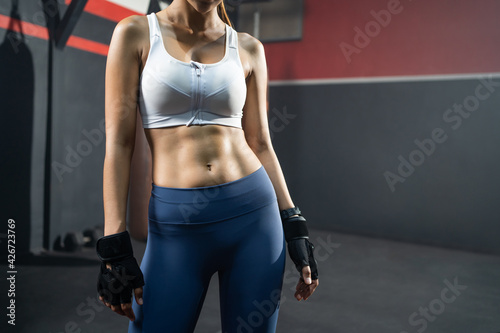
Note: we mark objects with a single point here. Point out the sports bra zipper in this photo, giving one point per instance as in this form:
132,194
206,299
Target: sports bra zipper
198,94
198,73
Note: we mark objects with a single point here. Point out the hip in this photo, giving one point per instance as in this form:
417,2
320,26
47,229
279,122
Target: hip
214,203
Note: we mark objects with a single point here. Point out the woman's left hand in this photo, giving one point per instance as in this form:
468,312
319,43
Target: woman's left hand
305,286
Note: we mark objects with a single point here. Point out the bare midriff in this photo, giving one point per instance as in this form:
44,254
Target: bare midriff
196,156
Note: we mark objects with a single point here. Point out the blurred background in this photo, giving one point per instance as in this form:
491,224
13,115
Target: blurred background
384,115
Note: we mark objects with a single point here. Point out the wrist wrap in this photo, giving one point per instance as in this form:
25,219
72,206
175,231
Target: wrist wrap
295,227
114,247
286,213
115,284
300,249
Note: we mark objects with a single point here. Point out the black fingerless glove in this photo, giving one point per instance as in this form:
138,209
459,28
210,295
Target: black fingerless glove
300,248
116,285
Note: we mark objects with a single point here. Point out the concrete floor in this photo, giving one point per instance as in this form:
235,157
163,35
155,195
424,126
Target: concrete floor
366,285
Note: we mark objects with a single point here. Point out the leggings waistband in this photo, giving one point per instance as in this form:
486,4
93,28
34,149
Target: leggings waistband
211,203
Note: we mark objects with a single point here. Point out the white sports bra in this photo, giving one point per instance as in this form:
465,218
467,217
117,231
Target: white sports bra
175,93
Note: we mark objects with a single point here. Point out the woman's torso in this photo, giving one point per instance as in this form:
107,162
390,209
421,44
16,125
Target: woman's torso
194,156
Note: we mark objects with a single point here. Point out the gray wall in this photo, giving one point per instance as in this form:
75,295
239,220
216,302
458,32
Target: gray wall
345,136
78,141
23,76
76,105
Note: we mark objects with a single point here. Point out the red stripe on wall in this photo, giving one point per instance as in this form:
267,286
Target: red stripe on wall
26,28
425,38
41,32
88,45
107,10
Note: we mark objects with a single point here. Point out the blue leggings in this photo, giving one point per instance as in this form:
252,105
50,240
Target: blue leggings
233,229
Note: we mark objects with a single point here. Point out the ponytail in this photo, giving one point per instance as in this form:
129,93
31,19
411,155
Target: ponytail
221,10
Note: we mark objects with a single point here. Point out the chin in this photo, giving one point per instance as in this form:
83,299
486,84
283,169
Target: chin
204,6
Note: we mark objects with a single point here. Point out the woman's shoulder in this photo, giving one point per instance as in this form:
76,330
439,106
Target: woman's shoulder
133,27
130,36
250,44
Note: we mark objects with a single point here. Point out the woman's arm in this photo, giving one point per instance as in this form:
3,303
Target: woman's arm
122,77
140,185
258,137
255,124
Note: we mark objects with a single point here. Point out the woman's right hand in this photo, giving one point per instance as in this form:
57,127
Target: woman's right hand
119,274
124,309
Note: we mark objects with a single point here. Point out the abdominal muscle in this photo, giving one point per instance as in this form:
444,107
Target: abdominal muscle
196,156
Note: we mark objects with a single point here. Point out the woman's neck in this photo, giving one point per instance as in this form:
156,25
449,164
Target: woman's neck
181,12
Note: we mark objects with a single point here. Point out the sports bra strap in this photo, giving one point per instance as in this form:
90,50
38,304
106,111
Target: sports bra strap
154,26
233,38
